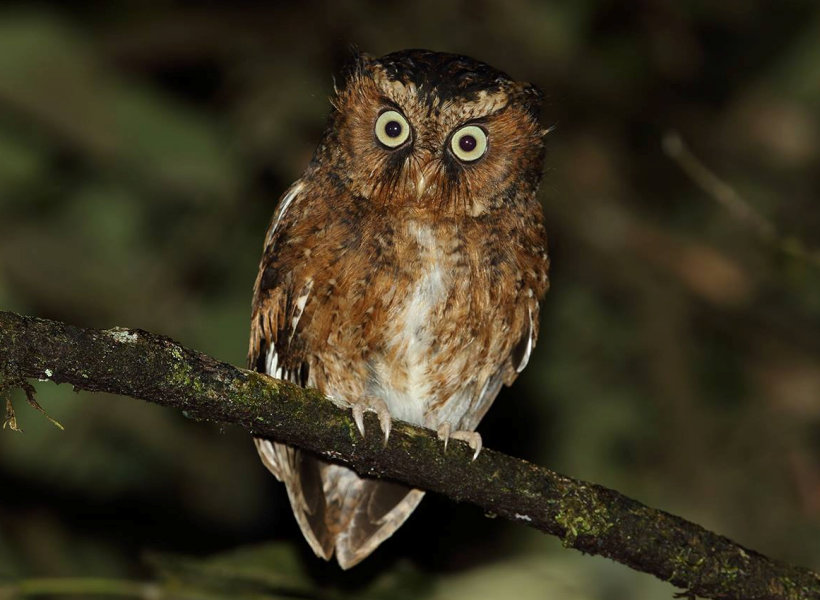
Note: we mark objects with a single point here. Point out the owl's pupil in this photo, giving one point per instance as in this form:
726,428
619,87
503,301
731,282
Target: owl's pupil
393,129
467,143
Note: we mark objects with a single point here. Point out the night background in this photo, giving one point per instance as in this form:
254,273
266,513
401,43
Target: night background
143,148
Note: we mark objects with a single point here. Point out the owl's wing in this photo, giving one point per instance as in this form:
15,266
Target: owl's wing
526,336
278,304
521,352
300,474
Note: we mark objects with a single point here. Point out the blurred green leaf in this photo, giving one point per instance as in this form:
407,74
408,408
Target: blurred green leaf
51,76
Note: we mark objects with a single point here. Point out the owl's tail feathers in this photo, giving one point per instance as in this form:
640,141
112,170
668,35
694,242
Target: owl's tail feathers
304,485
335,508
378,510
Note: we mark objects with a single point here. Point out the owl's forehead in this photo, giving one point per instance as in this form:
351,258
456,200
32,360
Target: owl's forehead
436,83
450,75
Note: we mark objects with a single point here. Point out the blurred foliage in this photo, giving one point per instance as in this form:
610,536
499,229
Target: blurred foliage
142,150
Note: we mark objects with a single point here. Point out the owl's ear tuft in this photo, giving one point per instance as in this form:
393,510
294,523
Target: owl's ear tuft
531,99
356,65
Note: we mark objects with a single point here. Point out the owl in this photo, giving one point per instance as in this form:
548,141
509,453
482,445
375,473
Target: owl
402,273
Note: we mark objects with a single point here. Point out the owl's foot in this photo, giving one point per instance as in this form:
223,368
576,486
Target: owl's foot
374,405
473,438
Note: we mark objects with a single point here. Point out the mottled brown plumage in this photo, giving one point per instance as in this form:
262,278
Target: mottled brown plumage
403,273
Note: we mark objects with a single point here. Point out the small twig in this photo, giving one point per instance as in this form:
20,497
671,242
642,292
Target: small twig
725,195
11,381
11,420
29,391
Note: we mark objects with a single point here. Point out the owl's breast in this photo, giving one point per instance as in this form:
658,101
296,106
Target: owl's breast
411,359
412,312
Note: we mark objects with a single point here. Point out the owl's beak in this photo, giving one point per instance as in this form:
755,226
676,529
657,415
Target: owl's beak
425,175
421,185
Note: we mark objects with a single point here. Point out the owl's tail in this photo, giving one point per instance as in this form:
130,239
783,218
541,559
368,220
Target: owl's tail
336,509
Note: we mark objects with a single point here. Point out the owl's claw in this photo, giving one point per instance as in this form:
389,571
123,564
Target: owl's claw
443,433
374,405
473,438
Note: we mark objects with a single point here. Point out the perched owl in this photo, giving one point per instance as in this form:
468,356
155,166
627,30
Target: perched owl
402,272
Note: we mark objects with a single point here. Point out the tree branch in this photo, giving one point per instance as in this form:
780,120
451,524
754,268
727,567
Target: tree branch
587,517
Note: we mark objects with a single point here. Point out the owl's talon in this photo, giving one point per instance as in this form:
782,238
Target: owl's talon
443,433
358,417
377,406
473,438
386,422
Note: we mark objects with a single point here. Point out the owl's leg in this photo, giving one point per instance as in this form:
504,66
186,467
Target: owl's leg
374,405
473,438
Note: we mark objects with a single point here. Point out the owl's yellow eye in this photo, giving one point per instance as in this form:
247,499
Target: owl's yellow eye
392,129
469,143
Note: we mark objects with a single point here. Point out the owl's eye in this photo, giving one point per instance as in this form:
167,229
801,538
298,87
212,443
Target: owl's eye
392,129
469,143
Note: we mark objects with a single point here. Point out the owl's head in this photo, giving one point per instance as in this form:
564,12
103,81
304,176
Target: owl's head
425,130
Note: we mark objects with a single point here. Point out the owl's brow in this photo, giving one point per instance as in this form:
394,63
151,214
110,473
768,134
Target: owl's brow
493,113
391,103
483,119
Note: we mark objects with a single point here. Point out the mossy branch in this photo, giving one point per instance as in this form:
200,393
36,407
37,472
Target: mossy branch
587,517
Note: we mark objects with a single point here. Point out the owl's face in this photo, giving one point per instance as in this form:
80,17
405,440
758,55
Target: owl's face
421,130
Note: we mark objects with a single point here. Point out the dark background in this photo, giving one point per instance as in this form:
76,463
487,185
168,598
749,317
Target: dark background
142,151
